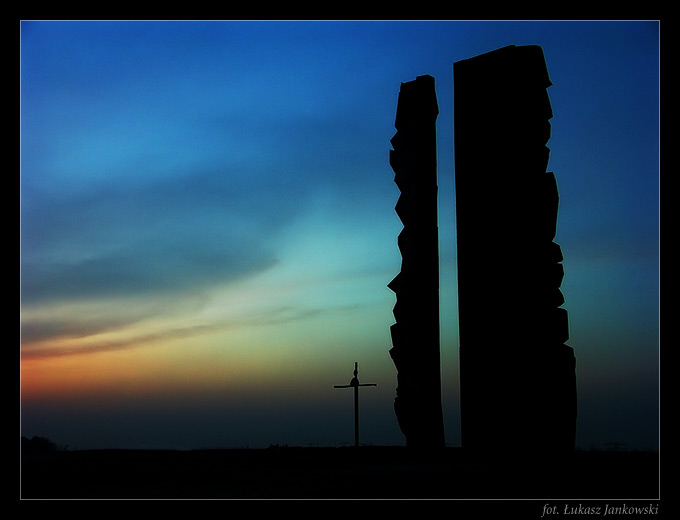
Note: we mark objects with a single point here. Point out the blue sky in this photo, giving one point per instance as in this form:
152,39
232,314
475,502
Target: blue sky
208,225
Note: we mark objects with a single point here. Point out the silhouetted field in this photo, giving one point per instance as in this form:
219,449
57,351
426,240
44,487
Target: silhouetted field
333,473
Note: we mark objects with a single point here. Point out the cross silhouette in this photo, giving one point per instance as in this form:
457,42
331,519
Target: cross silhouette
354,383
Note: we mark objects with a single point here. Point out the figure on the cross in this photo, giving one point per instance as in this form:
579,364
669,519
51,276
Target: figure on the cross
354,383
355,379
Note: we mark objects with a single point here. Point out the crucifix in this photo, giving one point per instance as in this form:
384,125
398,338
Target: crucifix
354,383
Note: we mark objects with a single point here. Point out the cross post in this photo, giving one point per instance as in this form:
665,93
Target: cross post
354,383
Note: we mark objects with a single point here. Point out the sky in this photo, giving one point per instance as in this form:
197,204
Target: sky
207,225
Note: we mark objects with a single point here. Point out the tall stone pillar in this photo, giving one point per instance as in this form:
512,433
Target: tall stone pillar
415,335
517,375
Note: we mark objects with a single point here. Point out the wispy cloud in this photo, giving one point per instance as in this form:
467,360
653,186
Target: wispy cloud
188,232
71,336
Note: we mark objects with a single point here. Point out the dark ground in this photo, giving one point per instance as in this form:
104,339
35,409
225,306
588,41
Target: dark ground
334,473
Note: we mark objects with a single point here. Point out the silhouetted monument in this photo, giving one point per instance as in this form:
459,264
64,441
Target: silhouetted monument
354,383
415,335
517,376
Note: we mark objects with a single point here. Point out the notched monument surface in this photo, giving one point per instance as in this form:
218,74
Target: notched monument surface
517,375
415,335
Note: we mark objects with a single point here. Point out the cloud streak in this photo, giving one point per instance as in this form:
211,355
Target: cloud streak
179,234
50,338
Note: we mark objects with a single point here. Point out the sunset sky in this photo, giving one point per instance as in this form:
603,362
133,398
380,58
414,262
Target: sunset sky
208,225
